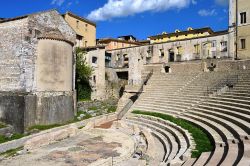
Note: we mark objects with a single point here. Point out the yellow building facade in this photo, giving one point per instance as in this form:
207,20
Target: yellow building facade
111,43
85,30
240,34
180,35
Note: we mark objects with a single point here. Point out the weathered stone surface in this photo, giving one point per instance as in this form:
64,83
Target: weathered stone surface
42,78
49,138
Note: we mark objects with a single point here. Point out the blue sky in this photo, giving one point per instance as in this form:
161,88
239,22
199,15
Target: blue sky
141,18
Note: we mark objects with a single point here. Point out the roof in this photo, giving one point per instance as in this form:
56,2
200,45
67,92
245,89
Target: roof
224,32
93,48
24,16
79,18
200,30
13,19
54,35
107,40
127,36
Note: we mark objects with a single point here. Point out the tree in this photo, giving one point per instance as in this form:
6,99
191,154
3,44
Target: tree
83,73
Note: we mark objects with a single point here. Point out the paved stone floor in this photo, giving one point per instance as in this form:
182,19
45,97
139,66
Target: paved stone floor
81,150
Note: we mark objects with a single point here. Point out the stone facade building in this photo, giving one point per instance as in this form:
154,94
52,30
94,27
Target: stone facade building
36,70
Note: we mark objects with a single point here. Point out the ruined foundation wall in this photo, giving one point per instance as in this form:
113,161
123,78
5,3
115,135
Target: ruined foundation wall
25,110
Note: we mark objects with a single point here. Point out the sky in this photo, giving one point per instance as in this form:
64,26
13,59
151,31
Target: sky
141,18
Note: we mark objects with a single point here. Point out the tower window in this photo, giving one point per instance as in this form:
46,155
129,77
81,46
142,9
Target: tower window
243,18
243,43
77,24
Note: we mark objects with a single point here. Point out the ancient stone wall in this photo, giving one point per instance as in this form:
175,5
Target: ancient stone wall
12,108
13,50
37,63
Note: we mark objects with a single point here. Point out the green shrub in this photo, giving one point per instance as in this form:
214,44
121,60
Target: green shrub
83,74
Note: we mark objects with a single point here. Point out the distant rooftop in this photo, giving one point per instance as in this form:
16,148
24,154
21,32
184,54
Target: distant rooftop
186,32
107,40
2,20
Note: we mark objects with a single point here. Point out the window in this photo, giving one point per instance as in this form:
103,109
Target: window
243,18
77,24
94,60
223,46
197,49
243,43
79,41
117,57
180,50
86,27
161,53
94,79
86,43
213,43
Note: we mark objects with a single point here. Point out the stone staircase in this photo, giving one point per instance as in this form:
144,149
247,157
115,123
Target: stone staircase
225,116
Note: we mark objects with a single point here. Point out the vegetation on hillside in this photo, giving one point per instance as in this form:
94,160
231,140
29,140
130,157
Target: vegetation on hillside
83,73
201,138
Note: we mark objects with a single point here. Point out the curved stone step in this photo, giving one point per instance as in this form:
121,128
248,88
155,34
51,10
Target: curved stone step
171,139
165,142
218,140
224,132
241,126
183,143
217,156
203,159
231,103
232,155
153,109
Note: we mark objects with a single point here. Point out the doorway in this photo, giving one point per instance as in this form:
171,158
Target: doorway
171,56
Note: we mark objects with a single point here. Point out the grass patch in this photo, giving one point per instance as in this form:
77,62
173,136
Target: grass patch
112,109
11,152
44,127
13,137
2,125
94,108
203,143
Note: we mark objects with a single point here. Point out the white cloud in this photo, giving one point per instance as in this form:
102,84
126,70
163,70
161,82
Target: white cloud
206,12
123,8
57,2
222,2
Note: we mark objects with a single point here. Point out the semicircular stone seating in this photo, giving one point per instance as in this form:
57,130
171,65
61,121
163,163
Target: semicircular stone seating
224,115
